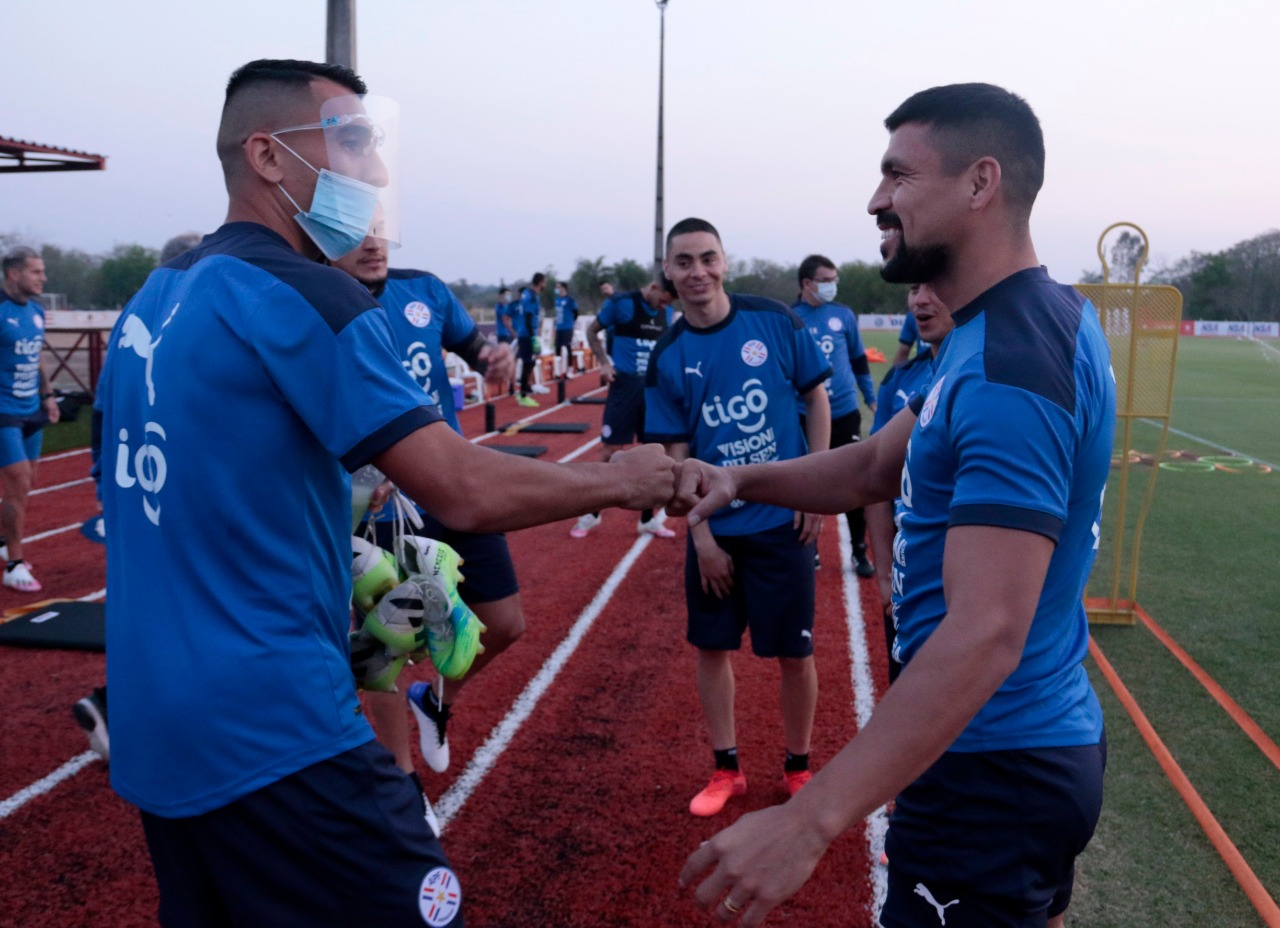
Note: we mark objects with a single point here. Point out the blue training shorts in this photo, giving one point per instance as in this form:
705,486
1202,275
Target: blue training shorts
340,843
773,595
15,447
990,838
489,573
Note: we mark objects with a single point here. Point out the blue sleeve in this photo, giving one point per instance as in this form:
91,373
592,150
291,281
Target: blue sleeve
1014,451
458,324
609,312
884,401
365,402
858,359
909,333
812,367
664,417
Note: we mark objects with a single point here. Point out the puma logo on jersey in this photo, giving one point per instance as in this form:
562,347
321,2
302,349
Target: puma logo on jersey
923,892
696,369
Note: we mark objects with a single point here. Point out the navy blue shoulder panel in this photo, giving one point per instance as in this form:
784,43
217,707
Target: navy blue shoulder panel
406,273
765,304
1031,328
669,336
337,296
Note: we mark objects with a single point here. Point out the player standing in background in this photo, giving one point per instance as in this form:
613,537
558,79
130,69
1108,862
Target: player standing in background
634,320
723,387
900,386
566,318
236,728
835,327
427,320
992,738
27,403
502,318
526,317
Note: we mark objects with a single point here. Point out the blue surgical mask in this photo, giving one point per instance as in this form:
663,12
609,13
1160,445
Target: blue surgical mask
341,213
826,290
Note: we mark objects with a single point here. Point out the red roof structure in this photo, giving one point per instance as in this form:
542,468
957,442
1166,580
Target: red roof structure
29,157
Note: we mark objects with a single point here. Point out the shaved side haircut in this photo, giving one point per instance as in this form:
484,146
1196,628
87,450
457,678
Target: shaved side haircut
692,224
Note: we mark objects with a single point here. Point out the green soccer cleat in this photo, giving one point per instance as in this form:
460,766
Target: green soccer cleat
373,574
374,667
453,632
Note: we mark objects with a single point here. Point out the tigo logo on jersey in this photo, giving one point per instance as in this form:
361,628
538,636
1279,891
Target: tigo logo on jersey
931,404
753,402
440,897
418,314
754,353
418,362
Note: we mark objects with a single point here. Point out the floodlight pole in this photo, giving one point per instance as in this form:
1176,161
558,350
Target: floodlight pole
657,208
340,35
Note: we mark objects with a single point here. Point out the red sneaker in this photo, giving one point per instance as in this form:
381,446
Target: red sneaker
724,784
794,780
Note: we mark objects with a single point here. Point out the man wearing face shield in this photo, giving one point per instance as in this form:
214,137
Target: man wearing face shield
247,379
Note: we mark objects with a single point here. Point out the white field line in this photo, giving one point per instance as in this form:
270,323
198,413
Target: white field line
65,454
487,755
53,531
537,415
1270,352
61,486
42,786
1212,444
864,701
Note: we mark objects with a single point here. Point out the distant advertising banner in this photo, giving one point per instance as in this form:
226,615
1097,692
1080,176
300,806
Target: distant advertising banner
1225,329
880,322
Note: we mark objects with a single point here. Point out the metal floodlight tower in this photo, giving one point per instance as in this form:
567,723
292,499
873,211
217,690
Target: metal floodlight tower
657,203
340,34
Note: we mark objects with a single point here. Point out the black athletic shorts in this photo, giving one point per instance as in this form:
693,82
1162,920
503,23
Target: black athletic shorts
773,595
489,575
990,839
340,843
564,339
624,411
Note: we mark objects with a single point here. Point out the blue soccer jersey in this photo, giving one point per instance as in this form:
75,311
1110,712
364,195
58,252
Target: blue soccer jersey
526,314
427,320
730,392
1016,432
243,384
900,386
566,313
835,328
501,312
21,341
636,328
910,334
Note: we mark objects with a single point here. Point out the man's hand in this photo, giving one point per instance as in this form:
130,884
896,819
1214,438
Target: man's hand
755,864
607,372
378,498
702,489
715,566
502,364
809,524
646,474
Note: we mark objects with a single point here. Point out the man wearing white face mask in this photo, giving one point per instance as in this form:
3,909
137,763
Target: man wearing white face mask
835,328
244,381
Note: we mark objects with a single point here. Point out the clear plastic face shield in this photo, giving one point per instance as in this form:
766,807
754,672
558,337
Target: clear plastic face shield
358,187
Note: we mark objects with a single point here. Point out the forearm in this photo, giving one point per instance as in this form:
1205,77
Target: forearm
594,343
470,349
476,489
817,419
880,530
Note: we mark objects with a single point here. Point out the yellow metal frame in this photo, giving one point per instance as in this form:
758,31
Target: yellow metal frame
1148,313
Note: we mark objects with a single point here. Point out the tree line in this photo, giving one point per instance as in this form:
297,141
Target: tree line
1239,283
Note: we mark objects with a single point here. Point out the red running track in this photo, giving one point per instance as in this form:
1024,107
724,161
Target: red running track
579,820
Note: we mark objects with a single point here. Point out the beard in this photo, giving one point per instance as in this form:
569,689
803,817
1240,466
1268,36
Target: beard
921,265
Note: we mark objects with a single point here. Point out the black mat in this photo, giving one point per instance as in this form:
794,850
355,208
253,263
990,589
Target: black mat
69,624
524,451
588,400
547,428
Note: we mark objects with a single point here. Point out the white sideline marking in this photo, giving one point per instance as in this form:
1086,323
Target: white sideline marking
100,594
65,454
864,701
60,486
456,796
585,448
537,415
1213,444
1269,352
40,787
52,532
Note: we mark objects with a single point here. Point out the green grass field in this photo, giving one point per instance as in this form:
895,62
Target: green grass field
1208,576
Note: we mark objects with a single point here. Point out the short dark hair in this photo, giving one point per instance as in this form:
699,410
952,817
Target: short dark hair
692,224
972,121
537,279
17,258
667,285
811,264
563,283
504,290
291,71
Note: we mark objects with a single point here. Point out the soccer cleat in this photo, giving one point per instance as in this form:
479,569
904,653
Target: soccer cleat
17,576
795,780
399,620
655,527
373,574
528,401
862,567
433,718
453,632
724,785
372,663
90,714
585,524
4,550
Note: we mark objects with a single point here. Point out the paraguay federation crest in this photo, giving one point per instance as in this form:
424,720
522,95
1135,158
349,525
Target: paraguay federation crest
440,897
931,404
754,353
418,314
834,324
